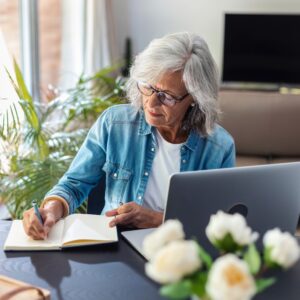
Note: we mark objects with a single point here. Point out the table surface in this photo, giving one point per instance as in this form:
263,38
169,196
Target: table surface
107,272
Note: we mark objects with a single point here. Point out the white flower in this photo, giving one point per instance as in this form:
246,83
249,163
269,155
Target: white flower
230,279
222,224
284,248
169,231
174,261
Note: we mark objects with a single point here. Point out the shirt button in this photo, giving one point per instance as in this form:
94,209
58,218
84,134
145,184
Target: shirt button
115,175
140,197
146,173
184,161
152,149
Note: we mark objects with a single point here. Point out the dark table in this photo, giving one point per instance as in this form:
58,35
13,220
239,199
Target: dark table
106,272
111,271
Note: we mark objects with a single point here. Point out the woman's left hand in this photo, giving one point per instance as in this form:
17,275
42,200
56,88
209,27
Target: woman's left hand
133,215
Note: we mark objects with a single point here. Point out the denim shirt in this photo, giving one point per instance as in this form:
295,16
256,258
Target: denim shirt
121,145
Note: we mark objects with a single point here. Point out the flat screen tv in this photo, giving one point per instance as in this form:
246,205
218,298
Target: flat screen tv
262,49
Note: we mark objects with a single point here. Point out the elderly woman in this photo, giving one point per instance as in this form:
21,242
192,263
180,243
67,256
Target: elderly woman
170,126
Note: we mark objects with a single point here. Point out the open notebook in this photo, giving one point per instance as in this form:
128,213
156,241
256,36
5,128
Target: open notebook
74,230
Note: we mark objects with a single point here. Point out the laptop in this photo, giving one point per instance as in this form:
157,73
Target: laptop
267,195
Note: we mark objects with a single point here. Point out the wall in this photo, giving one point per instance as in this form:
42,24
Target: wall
50,36
9,26
143,20
50,43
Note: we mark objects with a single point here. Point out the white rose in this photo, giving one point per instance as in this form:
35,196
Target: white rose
230,279
284,248
174,261
222,224
169,231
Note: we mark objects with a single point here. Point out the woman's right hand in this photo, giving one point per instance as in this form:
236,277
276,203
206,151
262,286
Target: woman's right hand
53,211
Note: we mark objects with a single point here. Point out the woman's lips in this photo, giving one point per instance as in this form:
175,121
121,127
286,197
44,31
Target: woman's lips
154,114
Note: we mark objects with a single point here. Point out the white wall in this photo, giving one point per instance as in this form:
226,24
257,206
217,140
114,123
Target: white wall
143,20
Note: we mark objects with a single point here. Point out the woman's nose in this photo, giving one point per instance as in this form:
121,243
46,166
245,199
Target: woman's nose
153,100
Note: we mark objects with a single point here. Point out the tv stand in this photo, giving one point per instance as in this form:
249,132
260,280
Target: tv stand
257,87
289,90
249,86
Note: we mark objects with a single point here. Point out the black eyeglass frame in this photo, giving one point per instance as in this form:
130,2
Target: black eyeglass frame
158,93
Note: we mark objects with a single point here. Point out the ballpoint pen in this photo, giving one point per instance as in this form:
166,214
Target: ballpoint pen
37,212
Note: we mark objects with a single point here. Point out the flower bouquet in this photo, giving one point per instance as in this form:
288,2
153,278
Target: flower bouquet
186,269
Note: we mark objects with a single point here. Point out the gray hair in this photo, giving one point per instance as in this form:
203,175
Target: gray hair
189,53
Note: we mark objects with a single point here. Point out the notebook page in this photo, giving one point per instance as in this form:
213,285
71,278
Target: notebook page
87,228
17,239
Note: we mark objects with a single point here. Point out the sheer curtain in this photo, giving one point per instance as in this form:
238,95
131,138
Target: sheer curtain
7,91
7,96
88,38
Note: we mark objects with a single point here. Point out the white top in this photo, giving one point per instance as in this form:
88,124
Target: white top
165,163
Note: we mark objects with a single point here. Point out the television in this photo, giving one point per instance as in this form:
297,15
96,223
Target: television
261,50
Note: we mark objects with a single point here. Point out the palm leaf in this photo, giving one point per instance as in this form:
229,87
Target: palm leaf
34,136
41,148
26,101
32,182
23,91
67,142
10,120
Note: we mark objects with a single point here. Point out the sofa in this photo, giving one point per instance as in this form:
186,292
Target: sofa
264,125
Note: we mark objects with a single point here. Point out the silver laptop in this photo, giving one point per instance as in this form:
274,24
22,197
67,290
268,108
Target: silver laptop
267,195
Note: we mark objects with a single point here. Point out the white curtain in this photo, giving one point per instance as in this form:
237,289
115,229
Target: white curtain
88,38
7,91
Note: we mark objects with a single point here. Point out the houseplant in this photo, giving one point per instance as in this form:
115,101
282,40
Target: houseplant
185,269
38,142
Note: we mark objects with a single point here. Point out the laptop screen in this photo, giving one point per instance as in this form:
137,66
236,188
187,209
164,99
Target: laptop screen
267,195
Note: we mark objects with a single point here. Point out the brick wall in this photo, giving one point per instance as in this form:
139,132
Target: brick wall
50,37
50,41
9,25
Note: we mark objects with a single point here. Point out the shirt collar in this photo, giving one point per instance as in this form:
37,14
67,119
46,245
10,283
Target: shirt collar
192,140
145,129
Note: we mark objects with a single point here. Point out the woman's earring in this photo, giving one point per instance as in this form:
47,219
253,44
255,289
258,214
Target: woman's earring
193,104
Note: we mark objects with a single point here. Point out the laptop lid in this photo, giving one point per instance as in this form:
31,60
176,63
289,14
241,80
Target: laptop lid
136,238
267,195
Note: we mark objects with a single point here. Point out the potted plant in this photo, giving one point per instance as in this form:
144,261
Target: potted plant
38,142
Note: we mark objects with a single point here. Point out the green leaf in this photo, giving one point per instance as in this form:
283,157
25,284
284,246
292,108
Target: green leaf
205,257
15,86
252,258
198,283
23,91
30,113
178,290
31,181
262,284
227,244
34,137
102,74
268,259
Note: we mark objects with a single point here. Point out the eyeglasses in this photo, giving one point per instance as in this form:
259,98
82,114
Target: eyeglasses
163,97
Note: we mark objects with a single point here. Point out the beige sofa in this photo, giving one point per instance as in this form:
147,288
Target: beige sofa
264,125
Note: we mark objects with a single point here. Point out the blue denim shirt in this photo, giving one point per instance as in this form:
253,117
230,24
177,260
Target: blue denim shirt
121,145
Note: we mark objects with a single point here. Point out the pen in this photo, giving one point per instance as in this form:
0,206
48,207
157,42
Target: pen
37,212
